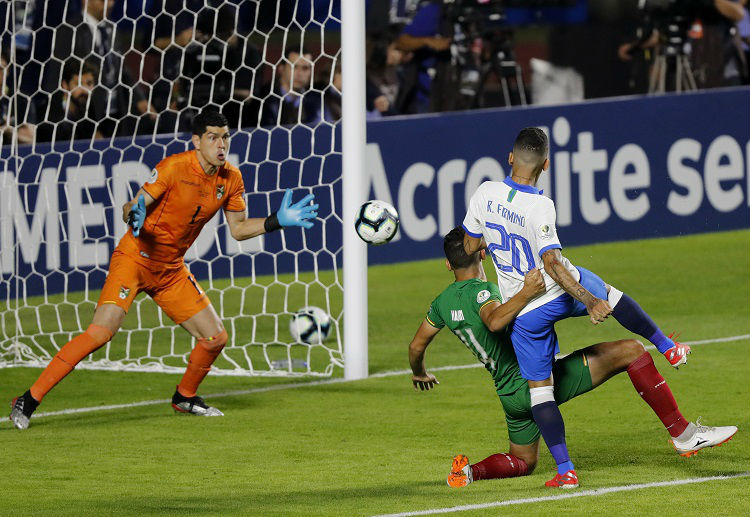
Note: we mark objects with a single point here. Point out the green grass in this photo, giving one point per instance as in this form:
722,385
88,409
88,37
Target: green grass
376,446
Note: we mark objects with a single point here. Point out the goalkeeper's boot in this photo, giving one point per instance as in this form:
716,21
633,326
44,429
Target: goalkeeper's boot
704,436
567,480
21,410
677,355
461,474
193,405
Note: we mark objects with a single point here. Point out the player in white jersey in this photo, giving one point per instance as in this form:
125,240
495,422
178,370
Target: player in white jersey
517,225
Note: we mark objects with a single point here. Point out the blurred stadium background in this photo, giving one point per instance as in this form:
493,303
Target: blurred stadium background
646,105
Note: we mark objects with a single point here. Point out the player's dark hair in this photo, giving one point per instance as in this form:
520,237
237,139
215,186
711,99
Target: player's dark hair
75,66
208,118
295,49
531,146
453,246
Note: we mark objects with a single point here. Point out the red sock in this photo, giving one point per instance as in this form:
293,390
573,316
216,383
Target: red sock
652,387
499,466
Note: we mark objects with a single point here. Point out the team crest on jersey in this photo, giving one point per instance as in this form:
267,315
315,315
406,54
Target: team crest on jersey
124,292
546,231
154,176
220,191
483,296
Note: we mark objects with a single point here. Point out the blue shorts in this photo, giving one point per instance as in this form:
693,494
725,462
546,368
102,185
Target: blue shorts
533,334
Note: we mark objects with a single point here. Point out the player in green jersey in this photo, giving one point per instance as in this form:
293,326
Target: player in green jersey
473,310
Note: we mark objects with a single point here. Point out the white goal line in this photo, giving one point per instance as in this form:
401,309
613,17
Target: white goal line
568,495
289,386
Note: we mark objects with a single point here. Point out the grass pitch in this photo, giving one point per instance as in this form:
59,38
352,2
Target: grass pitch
375,446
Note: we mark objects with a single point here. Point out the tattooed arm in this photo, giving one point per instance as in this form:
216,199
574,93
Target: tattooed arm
598,309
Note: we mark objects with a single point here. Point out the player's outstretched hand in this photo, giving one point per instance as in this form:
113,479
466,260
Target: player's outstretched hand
299,214
137,215
424,382
534,282
599,311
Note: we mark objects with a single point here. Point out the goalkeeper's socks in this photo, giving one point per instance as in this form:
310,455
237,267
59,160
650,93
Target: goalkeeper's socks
67,359
652,387
499,466
199,364
631,316
550,422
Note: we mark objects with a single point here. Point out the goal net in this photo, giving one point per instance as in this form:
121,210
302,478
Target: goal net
95,94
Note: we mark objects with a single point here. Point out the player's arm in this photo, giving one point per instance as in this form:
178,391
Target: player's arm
421,30
473,244
598,309
242,227
473,223
408,43
127,207
424,336
300,213
496,316
134,211
730,10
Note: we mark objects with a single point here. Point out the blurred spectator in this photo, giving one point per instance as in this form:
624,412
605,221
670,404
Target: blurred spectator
66,117
332,95
8,105
219,69
743,31
735,62
718,52
119,101
376,104
385,70
174,23
429,37
287,99
173,31
709,28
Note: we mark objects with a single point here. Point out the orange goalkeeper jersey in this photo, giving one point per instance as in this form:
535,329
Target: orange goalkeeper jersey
186,199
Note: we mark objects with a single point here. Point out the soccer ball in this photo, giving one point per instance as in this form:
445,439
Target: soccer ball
377,222
310,325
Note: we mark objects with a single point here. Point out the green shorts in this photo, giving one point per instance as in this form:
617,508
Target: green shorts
572,378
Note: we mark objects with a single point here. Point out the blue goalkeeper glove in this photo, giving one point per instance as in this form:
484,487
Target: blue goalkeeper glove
137,215
298,214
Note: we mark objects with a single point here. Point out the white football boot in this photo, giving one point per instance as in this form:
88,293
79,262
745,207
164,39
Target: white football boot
704,436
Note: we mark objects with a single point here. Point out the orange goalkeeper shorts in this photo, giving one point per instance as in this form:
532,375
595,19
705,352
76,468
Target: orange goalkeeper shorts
170,285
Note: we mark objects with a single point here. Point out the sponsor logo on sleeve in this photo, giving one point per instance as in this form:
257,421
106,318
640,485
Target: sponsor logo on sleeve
483,296
546,231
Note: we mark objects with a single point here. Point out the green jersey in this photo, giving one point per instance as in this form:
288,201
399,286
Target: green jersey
457,307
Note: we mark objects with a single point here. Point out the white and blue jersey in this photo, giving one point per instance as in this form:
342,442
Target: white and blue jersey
518,225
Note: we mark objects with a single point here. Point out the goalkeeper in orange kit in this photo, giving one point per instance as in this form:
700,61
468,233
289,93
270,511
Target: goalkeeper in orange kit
185,191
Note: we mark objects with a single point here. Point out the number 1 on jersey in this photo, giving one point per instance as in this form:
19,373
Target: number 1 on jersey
195,214
473,345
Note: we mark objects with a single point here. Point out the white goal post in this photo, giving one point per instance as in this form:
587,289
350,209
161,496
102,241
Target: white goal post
354,188
61,191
